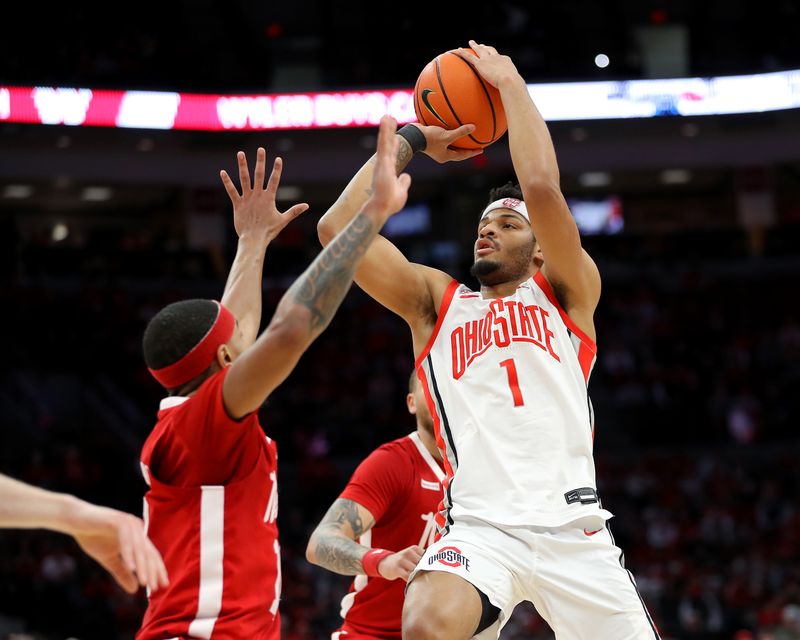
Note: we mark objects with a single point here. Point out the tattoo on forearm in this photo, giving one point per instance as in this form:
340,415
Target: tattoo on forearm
340,555
325,283
336,548
404,155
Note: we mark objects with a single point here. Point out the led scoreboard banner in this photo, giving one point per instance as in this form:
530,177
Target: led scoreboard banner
330,109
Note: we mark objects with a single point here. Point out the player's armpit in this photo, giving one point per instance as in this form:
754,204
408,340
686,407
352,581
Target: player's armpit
579,301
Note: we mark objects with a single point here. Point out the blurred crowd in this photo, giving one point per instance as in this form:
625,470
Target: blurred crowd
693,393
312,45
698,332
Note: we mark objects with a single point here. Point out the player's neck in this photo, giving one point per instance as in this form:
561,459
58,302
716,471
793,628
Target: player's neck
503,289
429,442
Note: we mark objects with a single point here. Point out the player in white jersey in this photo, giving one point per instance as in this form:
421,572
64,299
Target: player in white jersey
505,371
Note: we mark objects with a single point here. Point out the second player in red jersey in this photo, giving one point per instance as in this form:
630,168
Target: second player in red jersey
379,526
212,505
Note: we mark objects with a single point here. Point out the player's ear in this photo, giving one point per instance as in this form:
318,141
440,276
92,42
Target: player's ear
412,406
224,356
538,257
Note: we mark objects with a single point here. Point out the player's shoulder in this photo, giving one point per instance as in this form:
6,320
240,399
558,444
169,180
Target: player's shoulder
208,390
205,406
392,456
211,388
399,447
391,462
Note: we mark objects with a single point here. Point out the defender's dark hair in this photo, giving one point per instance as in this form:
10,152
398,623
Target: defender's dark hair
176,330
508,190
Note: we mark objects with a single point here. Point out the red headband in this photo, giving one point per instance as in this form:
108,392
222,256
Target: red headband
202,354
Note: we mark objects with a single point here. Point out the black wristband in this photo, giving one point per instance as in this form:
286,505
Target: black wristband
414,137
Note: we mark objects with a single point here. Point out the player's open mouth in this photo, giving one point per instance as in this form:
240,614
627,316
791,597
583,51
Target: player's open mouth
483,247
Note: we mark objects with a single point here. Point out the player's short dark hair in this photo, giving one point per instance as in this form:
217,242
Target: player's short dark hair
176,330
508,190
413,380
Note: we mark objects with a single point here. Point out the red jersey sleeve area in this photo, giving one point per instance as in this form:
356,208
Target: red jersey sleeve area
380,480
203,444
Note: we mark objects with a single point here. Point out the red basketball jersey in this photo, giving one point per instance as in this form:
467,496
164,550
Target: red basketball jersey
211,511
401,485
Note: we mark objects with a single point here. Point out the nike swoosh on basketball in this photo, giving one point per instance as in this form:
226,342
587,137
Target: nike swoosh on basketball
586,532
429,106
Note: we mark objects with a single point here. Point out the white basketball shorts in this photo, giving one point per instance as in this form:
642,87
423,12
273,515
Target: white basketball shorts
572,574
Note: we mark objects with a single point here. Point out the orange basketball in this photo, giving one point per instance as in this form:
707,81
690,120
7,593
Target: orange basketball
450,92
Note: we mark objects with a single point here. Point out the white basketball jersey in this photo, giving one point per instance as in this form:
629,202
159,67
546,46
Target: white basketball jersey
506,380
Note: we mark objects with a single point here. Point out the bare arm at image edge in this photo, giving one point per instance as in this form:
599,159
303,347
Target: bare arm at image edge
116,540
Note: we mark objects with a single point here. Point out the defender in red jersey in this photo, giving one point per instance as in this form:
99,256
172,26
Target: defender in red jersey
380,525
212,503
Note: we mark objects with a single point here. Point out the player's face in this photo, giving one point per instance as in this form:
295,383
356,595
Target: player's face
504,248
418,406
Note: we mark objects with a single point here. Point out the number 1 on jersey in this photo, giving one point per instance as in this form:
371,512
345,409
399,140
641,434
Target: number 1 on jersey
513,381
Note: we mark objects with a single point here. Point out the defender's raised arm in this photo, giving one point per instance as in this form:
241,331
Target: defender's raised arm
411,290
308,306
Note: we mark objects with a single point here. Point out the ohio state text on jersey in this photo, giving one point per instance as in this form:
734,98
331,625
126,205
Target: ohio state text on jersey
506,383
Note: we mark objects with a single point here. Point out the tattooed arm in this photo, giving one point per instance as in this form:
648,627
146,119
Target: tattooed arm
333,544
308,306
410,290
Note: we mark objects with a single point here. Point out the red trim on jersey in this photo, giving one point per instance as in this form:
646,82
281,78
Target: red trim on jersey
585,359
201,355
443,307
437,428
544,285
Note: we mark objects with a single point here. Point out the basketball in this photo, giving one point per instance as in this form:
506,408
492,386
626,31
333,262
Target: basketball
450,92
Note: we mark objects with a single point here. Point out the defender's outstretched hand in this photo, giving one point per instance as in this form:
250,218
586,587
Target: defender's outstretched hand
389,191
254,210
